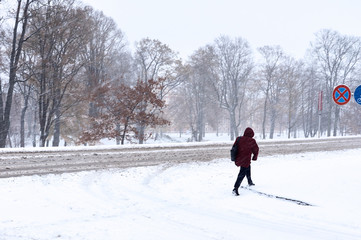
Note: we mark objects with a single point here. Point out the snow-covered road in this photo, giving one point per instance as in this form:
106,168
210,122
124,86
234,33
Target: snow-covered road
29,161
190,201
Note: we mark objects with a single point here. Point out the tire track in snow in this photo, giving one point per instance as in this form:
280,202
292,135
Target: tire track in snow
22,162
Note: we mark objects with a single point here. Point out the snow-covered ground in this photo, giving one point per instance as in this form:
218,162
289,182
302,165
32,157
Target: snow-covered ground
190,201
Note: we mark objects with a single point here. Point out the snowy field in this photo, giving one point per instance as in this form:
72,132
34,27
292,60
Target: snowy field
190,201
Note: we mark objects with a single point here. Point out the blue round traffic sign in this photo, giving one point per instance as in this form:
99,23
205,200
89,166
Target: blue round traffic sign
341,94
357,94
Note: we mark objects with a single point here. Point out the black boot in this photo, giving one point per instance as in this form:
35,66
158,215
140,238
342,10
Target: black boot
251,184
235,192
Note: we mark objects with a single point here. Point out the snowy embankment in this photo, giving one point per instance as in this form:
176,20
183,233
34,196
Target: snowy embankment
190,201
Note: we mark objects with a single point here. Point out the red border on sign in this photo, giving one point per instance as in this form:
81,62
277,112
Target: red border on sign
341,94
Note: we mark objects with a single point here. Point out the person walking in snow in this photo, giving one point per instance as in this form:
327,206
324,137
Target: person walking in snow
246,146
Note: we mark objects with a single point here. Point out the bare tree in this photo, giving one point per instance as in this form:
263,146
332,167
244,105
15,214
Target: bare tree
310,89
291,73
198,89
104,51
66,62
155,60
234,66
25,86
269,74
336,56
59,36
18,39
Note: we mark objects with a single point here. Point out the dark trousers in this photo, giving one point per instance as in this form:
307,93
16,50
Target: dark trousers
242,173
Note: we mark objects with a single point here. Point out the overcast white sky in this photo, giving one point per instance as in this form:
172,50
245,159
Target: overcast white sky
186,25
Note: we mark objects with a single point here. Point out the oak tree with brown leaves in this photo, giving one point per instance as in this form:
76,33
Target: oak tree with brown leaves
122,109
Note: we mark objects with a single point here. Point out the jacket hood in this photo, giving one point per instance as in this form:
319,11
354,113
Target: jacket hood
248,132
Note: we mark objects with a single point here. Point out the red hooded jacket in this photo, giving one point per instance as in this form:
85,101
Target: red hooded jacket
246,147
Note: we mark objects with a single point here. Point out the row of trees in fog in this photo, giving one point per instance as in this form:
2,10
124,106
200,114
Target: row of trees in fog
275,93
67,72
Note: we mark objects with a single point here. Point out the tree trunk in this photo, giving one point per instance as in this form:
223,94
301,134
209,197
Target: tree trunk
141,132
329,120
337,120
233,128
273,124
117,137
16,50
57,110
264,119
34,127
56,137
125,130
22,122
